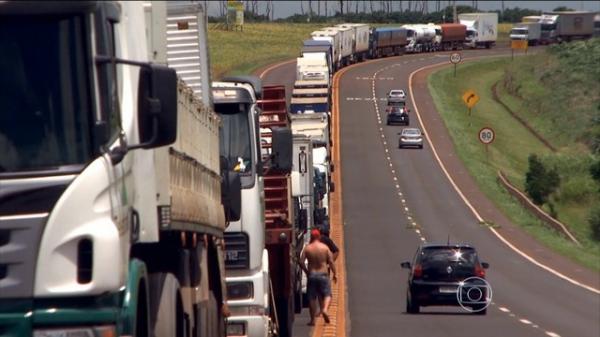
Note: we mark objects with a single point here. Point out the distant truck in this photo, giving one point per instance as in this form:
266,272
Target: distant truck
315,48
422,38
566,26
387,41
334,38
453,35
530,31
360,42
312,66
482,29
531,18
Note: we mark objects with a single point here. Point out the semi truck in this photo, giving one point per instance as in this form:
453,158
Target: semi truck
312,179
422,38
482,29
360,40
387,41
530,31
111,195
566,26
333,38
346,38
319,49
312,67
254,145
453,36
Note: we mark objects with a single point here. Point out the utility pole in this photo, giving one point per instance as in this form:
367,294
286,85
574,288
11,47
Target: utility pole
454,16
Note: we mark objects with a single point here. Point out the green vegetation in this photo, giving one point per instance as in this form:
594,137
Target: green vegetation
237,52
539,181
515,143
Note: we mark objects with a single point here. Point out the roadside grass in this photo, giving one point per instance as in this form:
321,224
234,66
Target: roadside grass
509,152
237,52
260,44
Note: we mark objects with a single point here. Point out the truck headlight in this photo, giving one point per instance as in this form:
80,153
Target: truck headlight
236,329
96,331
240,290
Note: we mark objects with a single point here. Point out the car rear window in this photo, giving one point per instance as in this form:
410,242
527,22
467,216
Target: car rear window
445,255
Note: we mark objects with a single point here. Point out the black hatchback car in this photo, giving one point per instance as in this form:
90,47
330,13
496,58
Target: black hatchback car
397,114
446,274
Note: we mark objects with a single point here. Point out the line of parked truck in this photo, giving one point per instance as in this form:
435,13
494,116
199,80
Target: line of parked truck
557,27
332,48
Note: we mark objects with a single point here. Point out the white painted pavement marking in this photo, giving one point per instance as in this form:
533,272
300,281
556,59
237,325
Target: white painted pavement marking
524,321
468,203
552,334
503,309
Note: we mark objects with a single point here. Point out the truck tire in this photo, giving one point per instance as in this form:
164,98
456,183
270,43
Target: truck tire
285,314
214,323
166,307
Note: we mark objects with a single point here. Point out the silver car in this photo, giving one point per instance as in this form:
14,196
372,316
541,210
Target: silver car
411,137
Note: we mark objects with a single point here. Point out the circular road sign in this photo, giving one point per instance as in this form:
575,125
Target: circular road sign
455,58
487,135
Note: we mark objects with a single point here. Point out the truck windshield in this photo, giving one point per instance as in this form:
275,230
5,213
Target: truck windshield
235,136
519,31
44,94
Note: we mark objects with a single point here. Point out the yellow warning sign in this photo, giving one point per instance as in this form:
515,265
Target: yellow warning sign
470,98
519,44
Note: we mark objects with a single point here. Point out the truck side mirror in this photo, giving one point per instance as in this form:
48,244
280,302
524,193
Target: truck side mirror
281,149
157,106
302,220
231,195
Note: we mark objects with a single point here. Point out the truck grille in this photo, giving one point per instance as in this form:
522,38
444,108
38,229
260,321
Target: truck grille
19,241
237,252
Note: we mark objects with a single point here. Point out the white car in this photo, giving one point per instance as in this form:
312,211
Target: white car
411,137
396,95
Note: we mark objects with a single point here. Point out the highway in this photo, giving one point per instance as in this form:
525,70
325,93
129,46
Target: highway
395,199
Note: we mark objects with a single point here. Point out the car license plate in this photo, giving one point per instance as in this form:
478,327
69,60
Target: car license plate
231,255
448,290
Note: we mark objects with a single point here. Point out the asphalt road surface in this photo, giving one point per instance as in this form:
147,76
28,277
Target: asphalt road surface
394,199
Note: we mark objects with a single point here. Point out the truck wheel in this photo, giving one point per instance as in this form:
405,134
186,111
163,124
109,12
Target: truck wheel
298,301
166,307
215,325
285,314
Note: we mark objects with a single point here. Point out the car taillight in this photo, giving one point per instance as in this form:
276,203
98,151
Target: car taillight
479,271
417,271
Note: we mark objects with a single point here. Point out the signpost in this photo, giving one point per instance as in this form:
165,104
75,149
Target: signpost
455,58
487,136
470,98
518,44
235,14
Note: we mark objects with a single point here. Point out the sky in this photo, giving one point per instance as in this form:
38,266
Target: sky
286,8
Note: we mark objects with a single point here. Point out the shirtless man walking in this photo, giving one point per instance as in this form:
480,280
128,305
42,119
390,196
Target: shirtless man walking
319,260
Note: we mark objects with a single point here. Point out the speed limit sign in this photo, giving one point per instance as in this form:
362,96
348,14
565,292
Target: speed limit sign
455,58
486,135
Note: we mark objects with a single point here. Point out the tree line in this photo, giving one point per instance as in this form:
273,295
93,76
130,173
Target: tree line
370,11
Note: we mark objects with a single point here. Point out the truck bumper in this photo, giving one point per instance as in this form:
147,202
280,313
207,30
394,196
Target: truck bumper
18,318
253,326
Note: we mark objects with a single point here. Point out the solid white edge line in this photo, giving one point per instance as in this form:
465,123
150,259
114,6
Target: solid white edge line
466,201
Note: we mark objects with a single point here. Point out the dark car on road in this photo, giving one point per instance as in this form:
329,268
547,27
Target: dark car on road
447,274
397,114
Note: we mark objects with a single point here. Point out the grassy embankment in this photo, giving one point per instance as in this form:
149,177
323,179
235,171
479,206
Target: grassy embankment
557,94
260,44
